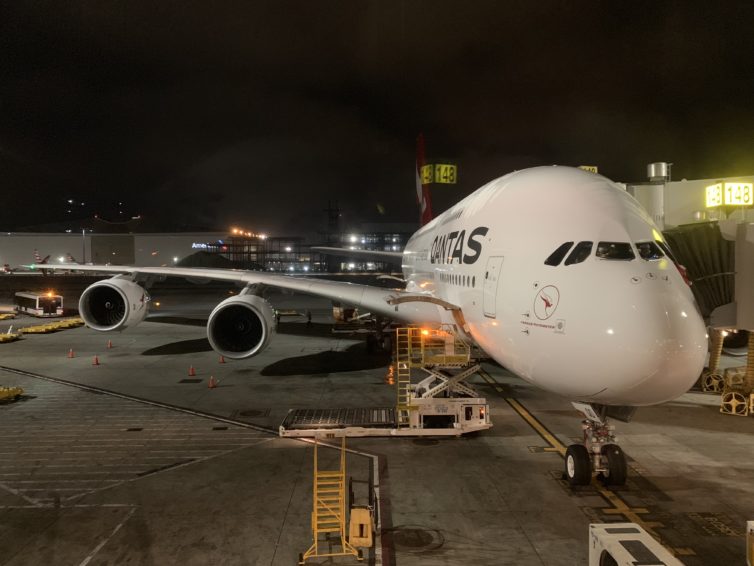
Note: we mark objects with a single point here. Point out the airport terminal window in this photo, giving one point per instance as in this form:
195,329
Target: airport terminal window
649,251
557,256
615,250
579,253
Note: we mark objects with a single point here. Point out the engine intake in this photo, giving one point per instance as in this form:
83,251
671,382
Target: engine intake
113,304
240,327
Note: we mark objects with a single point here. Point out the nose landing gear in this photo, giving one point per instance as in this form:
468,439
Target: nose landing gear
599,454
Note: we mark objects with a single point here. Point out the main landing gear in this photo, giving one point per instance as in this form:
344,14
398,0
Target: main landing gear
599,454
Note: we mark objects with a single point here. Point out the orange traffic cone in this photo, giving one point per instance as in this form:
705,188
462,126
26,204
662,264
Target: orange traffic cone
71,354
192,371
222,359
212,382
95,361
109,344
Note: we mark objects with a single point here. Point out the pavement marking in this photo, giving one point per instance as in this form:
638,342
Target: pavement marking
619,506
88,559
379,547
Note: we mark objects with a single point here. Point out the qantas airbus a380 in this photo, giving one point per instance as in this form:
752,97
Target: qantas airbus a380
556,273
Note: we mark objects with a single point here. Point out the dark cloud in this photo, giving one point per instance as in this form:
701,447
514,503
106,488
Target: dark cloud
261,112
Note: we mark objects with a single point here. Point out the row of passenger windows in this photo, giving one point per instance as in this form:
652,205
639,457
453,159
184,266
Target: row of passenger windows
608,250
458,279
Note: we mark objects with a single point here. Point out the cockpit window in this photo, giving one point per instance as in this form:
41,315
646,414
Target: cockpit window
665,248
579,253
615,250
649,251
557,256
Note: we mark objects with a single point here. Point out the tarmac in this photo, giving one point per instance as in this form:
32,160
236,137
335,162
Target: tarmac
133,461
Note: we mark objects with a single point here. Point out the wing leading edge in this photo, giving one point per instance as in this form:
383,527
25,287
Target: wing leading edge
393,303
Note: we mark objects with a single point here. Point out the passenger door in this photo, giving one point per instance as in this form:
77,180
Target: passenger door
491,277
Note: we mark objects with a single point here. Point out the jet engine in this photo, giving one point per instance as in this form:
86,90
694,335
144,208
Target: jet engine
241,326
113,304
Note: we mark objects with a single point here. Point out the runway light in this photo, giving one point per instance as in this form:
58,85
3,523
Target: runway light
352,239
175,260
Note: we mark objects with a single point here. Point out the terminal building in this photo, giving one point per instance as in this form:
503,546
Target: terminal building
233,249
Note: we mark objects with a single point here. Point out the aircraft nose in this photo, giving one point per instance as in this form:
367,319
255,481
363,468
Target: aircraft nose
665,350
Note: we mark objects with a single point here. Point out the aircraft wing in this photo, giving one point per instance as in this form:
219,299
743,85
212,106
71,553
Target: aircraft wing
364,255
392,303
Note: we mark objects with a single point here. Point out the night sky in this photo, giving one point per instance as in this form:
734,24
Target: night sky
257,113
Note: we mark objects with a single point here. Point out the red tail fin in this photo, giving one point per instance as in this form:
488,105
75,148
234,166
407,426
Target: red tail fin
422,189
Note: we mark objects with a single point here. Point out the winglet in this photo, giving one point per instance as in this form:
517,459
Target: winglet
422,189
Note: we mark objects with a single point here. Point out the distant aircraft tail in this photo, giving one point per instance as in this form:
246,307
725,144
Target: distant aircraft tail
38,259
422,188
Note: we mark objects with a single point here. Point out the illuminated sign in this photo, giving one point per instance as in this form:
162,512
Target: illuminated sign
428,174
444,173
714,196
739,194
590,168
198,246
731,194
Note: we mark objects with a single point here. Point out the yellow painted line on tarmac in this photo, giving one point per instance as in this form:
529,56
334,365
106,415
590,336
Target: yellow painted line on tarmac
619,507
536,425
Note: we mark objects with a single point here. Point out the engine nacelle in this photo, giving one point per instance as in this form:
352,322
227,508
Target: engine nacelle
113,304
241,326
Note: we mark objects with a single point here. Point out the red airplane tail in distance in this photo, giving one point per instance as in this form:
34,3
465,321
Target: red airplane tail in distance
422,188
38,258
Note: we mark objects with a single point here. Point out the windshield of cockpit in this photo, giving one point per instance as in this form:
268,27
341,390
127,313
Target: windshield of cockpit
649,250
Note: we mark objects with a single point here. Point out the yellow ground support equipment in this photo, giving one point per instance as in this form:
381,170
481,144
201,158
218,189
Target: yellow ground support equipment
329,511
7,315
9,337
443,403
10,393
738,386
52,326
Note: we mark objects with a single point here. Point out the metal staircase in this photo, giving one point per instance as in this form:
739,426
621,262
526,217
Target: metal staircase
330,509
404,348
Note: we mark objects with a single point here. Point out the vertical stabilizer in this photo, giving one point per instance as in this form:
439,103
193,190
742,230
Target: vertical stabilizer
422,188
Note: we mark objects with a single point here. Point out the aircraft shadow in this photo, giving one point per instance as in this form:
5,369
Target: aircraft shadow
182,347
319,329
354,358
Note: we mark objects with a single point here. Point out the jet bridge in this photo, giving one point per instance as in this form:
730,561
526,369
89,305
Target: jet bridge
721,260
442,403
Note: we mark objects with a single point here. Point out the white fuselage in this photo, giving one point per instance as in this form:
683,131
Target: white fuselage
613,331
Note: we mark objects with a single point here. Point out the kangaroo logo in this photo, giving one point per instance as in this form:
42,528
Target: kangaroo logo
546,302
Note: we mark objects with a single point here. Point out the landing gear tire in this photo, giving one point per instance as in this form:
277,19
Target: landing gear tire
578,465
617,469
